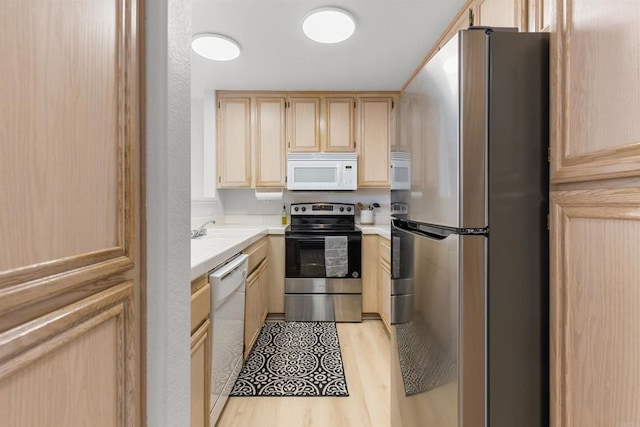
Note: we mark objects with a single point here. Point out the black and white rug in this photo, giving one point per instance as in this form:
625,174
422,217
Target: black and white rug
294,359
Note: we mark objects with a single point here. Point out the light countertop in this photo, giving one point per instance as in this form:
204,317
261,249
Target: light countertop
383,230
224,241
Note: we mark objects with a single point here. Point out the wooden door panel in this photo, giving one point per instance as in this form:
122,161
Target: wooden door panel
270,134
68,133
200,375
276,273
595,345
304,124
234,142
370,274
499,13
374,142
339,123
595,58
74,366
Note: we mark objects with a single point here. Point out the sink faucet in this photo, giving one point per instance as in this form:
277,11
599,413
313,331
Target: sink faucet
201,231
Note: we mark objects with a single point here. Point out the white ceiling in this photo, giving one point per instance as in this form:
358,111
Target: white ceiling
391,39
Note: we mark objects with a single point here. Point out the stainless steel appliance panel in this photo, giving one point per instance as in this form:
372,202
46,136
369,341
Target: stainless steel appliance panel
502,276
426,330
435,169
323,307
321,285
474,69
519,240
451,89
439,328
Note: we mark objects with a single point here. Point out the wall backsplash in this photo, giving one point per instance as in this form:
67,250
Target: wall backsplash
242,202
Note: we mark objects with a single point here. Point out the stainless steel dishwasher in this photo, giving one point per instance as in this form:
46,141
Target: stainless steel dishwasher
227,319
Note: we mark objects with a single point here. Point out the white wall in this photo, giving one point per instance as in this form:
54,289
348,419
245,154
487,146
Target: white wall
168,35
205,203
197,148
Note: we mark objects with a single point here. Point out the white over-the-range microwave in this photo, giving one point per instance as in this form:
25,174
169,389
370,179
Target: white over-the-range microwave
400,170
322,171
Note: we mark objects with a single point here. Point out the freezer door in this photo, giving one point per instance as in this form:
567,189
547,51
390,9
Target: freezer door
438,311
446,126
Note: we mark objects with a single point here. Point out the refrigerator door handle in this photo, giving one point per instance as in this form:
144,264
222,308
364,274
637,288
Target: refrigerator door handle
435,232
422,230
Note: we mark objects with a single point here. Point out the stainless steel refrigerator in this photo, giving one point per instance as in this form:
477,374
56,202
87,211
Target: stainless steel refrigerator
469,239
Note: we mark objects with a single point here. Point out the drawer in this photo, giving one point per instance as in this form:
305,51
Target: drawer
200,305
257,252
384,249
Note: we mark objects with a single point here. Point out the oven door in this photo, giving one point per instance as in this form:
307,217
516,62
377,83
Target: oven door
305,256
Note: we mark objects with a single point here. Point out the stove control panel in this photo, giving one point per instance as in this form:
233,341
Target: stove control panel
322,209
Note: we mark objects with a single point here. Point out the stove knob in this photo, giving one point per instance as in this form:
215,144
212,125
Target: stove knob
304,209
296,209
349,209
341,209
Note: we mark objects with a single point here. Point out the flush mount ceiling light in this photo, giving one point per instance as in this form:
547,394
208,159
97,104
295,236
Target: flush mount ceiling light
215,46
328,25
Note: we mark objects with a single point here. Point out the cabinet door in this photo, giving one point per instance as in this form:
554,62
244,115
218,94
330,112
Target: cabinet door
200,375
594,316
385,294
270,142
234,142
500,13
403,113
370,274
595,90
276,274
539,15
384,297
304,124
251,309
264,293
339,123
374,141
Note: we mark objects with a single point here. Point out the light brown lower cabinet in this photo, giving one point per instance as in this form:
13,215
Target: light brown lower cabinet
200,375
256,304
200,351
385,294
276,274
370,274
594,316
384,281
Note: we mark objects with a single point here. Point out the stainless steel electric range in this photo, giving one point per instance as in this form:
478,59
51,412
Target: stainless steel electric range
323,264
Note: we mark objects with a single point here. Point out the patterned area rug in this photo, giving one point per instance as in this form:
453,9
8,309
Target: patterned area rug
294,359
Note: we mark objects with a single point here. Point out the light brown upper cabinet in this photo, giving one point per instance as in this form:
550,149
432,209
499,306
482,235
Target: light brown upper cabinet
234,141
595,93
374,141
304,124
539,15
500,13
339,123
269,136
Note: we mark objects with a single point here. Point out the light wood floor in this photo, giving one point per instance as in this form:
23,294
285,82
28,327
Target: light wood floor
365,353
